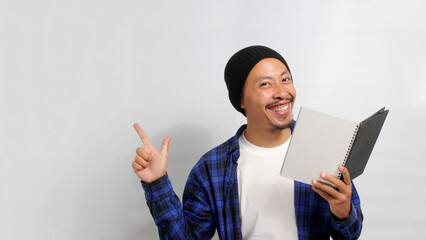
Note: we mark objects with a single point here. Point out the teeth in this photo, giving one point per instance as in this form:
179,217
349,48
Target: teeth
280,109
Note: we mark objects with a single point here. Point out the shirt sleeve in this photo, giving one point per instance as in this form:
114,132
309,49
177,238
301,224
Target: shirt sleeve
349,228
174,221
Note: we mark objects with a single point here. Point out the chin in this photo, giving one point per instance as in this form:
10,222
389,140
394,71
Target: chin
284,125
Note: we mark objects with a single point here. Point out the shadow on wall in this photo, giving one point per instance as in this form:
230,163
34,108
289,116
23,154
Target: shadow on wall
146,231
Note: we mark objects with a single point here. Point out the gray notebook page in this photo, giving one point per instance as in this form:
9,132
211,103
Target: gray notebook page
319,144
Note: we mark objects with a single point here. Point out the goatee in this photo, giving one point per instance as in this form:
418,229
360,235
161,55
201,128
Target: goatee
289,125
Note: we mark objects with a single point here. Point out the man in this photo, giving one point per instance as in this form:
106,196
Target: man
236,187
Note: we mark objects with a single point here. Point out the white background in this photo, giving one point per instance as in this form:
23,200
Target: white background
75,76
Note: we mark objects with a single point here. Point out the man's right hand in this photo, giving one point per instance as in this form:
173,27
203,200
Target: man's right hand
150,164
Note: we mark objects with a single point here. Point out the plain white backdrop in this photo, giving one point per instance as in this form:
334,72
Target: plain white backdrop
75,76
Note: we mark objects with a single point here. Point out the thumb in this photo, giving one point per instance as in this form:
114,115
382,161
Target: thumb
165,146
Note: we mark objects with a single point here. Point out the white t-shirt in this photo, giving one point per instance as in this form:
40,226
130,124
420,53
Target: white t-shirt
266,198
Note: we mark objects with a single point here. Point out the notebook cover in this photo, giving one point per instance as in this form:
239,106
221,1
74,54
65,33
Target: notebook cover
319,143
365,140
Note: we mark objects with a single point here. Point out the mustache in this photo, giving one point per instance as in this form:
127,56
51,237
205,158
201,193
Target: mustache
288,99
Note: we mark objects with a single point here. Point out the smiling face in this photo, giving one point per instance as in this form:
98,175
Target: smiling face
268,96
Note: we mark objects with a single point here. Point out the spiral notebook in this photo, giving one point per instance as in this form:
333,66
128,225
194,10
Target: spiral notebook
321,142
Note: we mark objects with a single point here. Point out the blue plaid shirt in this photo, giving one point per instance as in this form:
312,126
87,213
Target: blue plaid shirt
210,202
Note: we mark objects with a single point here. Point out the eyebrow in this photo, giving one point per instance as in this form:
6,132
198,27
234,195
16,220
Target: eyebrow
269,77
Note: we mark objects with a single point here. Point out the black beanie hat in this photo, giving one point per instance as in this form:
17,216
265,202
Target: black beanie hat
239,66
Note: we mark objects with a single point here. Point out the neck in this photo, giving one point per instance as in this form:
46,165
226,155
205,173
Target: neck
267,138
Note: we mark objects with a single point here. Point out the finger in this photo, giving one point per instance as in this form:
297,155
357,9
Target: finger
137,167
323,194
141,161
165,146
326,188
142,134
143,154
346,176
333,180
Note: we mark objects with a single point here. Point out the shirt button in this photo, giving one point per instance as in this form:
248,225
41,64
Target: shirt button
229,182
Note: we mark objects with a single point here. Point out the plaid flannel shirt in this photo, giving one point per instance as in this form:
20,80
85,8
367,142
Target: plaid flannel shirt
210,202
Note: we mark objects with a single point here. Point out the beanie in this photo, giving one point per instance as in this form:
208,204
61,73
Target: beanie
239,66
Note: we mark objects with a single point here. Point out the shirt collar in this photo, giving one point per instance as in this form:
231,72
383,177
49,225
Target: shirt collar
234,141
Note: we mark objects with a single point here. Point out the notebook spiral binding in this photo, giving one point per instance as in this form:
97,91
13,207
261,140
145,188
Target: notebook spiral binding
349,149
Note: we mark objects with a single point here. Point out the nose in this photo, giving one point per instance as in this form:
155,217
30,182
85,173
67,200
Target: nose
280,91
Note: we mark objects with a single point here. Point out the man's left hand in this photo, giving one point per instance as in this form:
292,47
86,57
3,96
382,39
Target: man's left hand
340,198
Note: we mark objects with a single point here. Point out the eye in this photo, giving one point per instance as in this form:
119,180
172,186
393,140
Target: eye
286,79
264,84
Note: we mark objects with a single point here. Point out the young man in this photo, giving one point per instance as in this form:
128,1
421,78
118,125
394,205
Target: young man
236,187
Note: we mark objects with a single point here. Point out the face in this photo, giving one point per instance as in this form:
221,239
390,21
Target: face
268,96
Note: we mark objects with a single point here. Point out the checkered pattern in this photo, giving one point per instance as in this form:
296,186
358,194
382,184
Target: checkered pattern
210,202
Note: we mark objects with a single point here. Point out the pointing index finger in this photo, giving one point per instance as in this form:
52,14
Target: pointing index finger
142,134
